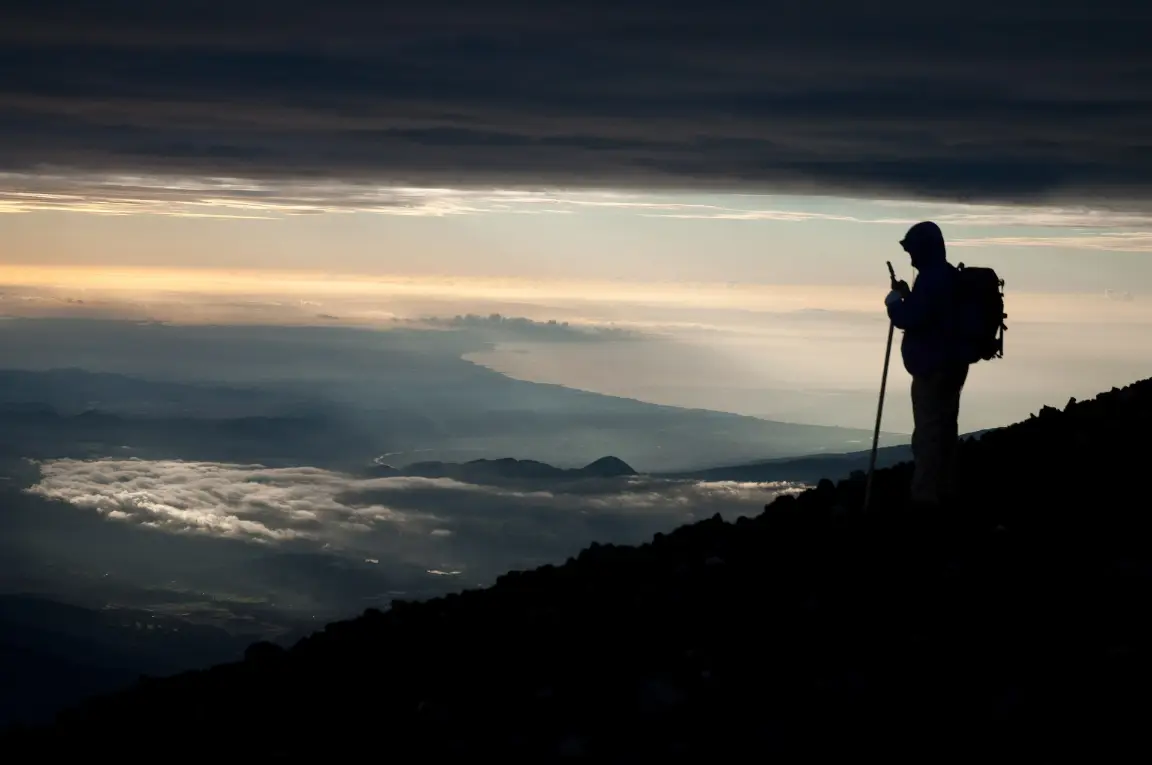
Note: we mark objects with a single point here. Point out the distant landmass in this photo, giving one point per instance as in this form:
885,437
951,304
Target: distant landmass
483,471
808,469
426,411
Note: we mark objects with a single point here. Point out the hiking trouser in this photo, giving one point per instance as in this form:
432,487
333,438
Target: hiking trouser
935,434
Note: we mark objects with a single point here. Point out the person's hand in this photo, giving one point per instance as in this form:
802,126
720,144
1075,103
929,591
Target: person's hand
893,298
903,288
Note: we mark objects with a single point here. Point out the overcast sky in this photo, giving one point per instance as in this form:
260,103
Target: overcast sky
986,99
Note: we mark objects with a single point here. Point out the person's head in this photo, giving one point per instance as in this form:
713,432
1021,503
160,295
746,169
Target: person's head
924,242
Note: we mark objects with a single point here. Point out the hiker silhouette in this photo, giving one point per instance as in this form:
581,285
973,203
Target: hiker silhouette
936,359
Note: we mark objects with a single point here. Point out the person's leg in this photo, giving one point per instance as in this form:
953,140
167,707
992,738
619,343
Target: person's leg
926,419
951,386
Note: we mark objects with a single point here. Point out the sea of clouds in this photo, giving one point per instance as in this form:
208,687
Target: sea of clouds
442,525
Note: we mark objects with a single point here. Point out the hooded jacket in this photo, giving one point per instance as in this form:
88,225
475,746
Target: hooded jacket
927,314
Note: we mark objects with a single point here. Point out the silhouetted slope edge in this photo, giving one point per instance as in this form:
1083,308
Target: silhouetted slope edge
809,628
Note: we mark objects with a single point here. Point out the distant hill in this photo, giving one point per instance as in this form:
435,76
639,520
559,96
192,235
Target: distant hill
1016,624
36,431
498,470
793,469
410,405
72,391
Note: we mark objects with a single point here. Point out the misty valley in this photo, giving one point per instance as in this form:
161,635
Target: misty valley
171,494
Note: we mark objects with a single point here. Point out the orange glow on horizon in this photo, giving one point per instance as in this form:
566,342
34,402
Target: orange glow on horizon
190,286
285,282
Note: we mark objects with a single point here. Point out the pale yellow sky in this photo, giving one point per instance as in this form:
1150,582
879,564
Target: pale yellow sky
718,277
550,235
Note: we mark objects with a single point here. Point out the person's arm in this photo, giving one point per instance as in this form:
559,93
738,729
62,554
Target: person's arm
917,308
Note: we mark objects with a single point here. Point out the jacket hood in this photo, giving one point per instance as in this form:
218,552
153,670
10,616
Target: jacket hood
925,243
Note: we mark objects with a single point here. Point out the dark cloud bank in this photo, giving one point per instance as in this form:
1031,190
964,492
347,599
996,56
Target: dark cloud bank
978,101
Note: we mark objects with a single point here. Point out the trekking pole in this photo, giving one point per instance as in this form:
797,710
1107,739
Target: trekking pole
880,407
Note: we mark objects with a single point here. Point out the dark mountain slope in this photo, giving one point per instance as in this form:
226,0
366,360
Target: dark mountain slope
55,654
808,629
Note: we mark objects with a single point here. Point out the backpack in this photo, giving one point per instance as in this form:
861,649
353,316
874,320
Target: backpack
979,314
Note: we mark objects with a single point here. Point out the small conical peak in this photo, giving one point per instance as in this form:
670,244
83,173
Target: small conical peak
609,466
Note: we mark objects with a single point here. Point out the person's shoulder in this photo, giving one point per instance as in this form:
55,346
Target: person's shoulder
938,274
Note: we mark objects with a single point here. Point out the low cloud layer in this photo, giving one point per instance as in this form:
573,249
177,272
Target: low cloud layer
275,199
1134,241
441,525
499,328
980,101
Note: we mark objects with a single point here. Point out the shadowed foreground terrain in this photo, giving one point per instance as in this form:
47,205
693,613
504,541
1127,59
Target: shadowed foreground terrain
807,629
